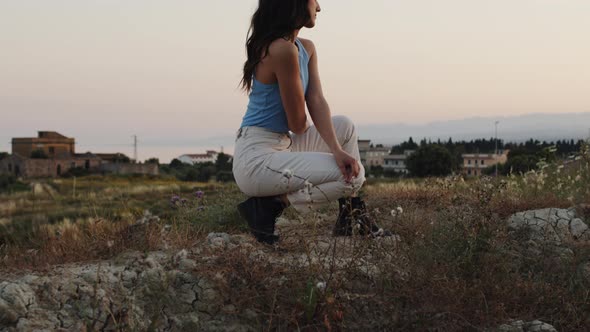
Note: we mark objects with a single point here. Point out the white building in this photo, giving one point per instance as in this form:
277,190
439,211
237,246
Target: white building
475,163
397,162
372,156
209,156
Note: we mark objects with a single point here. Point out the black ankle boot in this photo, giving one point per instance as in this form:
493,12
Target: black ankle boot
261,214
343,225
367,225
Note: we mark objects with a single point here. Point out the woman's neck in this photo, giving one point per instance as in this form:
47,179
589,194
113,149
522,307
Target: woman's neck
294,36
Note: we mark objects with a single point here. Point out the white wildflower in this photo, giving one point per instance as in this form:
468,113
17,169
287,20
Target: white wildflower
321,285
378,233
397,211
110,243
578,178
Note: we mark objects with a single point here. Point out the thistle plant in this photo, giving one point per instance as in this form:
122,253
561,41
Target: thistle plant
568,179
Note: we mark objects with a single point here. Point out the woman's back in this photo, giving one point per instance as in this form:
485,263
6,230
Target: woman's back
265,107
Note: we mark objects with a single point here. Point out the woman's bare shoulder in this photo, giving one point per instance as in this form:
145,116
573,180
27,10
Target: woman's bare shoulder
309,45
282,48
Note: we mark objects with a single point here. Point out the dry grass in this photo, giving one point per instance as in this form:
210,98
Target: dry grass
456,268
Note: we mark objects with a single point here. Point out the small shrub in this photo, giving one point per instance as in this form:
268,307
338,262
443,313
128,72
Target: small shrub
9,183
77,172
225,176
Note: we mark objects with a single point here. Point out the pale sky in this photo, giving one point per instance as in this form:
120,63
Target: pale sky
168,71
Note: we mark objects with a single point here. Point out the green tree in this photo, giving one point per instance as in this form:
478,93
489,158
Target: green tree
192,175
153,161
225,176
206,171
176,164
521,163
222,164
3,155
376,171
430,160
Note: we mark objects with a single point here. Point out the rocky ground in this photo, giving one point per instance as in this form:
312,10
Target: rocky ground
206,287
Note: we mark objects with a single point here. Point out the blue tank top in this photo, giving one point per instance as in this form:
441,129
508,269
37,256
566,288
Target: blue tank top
265,108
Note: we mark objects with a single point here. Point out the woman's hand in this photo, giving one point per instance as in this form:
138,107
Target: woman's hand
348,164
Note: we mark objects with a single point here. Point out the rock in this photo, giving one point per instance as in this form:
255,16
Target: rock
516,326
15,300
181,255
538,326
282,221
549,225
37,188
218,240
571,212
520,326
147,218
187,264
584,272
578,228
563,214
536,227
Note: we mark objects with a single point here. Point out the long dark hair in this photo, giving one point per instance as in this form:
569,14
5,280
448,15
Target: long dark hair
272,20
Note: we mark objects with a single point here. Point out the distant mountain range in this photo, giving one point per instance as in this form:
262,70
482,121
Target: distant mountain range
548,127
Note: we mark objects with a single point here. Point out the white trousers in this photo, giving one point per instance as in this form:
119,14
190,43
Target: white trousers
267,163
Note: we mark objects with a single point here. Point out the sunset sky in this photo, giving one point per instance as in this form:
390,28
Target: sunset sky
168,71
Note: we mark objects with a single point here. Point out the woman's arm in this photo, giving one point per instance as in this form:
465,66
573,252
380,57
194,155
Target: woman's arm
285,62
322,117
316,103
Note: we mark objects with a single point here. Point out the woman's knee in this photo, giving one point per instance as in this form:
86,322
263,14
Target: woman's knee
342,121
344,127
348,188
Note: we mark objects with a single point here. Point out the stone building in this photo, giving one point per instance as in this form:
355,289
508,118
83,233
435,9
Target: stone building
49,143
20,166
51,154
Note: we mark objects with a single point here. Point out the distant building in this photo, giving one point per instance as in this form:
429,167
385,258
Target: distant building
113,157
51,154
372,156
397,162
49,143
475,163
376,156
209,156
364,144
20,166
